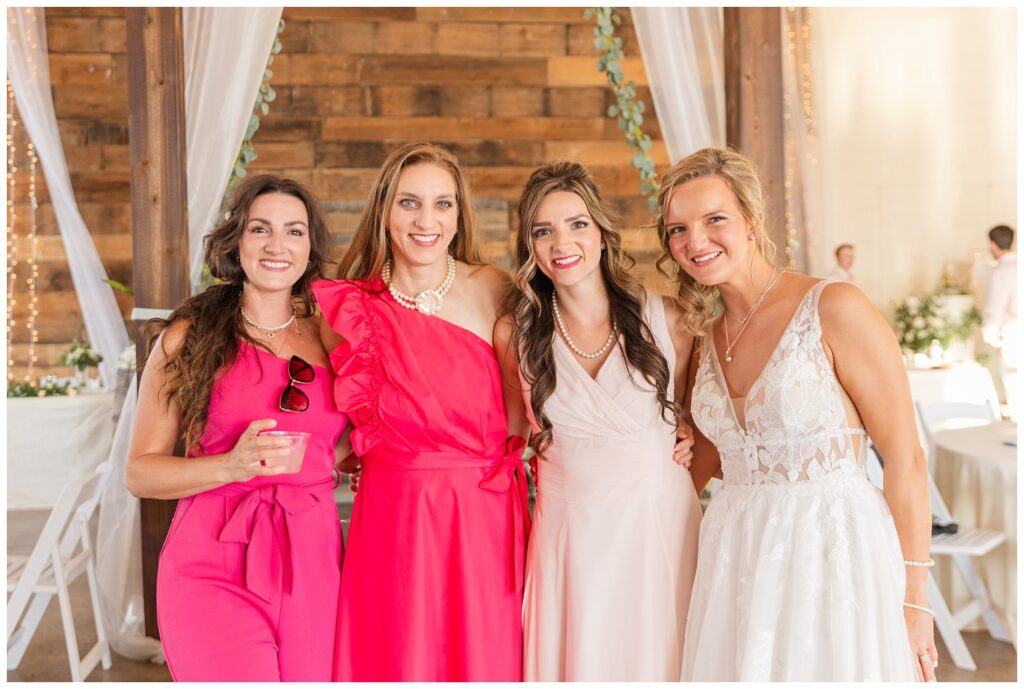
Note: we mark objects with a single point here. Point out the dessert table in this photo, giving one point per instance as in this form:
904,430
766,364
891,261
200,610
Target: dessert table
976,473
51,440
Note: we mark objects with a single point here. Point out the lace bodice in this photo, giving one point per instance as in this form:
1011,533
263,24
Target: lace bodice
794,426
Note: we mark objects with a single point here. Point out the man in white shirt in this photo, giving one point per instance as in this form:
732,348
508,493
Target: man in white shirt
843,269
999,323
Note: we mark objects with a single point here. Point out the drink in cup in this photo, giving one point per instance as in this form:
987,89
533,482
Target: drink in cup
297,442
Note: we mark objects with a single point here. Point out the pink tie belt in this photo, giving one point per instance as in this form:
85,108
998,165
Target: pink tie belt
504,475
261,521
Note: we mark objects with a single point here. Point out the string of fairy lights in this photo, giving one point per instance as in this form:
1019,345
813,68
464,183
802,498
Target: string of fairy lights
30,268
799,47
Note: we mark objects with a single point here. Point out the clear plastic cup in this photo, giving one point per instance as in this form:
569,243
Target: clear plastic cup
292,462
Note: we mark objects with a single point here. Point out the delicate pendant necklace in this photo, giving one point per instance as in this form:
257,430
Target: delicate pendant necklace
268,330
612,336
429,301
760,300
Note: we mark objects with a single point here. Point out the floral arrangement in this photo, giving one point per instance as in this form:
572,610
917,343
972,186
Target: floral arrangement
81,356
919,321
126,362
46,388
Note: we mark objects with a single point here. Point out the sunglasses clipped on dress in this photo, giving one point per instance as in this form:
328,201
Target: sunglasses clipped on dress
300,372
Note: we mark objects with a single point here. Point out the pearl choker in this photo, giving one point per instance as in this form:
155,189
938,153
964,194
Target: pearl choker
429,301
612,336
268,330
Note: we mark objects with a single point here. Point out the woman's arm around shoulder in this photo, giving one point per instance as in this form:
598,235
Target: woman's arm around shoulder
151,468
682,340
512,388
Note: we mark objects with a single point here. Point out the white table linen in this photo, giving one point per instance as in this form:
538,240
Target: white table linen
976,473
51,440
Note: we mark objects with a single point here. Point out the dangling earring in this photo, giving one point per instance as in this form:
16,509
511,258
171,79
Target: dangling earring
751,236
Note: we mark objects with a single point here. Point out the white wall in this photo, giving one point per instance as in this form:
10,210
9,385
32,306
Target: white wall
917,124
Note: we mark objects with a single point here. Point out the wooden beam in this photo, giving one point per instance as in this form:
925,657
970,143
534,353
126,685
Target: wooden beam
754,111
156,132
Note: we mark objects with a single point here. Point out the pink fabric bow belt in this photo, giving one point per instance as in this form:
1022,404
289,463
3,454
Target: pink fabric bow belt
261,520
504,475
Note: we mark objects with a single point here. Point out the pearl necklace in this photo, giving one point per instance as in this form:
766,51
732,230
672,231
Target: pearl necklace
612,336
760,300
429,301
268,330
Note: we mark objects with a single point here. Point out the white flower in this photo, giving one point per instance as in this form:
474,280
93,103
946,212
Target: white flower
126,362
918,322
913,303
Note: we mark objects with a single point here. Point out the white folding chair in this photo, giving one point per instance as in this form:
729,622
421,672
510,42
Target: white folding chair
961,546
63,551
941,414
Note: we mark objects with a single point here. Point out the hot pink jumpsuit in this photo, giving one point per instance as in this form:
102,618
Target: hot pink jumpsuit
247,587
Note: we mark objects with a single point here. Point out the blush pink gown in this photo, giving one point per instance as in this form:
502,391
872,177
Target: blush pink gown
433,579
247,585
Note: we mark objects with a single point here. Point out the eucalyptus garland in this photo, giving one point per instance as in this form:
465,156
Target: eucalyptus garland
627,109
265,96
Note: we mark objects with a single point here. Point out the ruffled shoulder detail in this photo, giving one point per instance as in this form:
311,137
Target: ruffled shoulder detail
357,361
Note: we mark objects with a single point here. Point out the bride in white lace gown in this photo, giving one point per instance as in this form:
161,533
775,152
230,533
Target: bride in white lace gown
805,572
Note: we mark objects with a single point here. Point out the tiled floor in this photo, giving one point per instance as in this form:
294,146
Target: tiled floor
46,658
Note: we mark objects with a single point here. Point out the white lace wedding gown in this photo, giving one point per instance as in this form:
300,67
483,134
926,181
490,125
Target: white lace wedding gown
800,575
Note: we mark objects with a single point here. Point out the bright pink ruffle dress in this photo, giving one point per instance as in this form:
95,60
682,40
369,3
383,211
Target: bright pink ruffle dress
433,580
247,585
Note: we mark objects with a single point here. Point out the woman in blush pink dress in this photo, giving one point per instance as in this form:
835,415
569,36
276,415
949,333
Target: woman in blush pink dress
433,579
614,544
248,577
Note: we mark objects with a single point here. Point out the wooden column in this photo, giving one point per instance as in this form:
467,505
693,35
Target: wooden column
754,103
156,131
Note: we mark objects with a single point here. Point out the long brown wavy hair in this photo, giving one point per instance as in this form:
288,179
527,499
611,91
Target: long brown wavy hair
699,301
530,303
214,317
371,245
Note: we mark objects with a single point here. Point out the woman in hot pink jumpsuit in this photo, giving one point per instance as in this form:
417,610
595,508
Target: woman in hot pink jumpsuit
248,577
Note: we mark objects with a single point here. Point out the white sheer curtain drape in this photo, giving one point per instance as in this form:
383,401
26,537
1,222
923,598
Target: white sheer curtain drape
226,51
682,49
28,67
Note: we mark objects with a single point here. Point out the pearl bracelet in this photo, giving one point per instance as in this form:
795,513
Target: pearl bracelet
917,563
919,607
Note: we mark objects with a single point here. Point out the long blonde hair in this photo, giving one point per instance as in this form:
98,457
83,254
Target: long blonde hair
371,246
530,303
739,173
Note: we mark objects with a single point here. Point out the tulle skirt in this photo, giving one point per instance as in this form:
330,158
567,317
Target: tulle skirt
800,581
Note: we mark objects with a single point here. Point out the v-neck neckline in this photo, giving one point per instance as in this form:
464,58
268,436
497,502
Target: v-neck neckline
579,366
768,362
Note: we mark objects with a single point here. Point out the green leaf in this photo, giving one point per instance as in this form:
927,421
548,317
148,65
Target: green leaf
264,108
612,111
119,286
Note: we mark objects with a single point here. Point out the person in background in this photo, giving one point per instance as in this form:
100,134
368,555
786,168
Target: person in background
843,270
247,586
999,323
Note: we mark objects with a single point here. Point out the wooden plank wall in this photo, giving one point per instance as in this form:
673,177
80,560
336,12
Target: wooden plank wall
504,88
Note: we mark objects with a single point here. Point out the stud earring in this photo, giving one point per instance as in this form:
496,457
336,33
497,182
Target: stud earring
751,236
603,247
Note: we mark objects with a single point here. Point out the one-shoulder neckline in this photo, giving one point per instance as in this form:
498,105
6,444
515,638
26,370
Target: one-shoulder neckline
391,299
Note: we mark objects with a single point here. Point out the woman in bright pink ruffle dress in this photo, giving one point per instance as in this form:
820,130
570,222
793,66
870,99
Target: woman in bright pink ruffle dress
433,578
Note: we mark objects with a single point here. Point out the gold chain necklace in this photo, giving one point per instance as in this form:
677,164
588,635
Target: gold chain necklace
776,276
